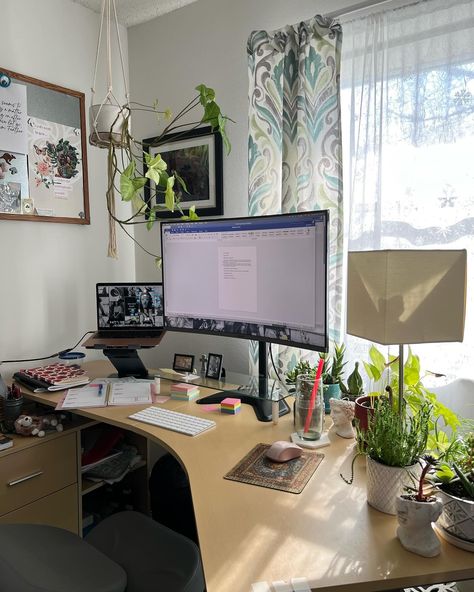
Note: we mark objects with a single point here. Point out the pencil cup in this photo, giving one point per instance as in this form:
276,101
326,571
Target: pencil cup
12,408
309,408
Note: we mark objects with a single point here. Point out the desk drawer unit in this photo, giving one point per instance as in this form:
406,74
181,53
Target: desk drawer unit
58,509
36,472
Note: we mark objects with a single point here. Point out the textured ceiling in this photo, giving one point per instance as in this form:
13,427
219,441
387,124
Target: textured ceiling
133,12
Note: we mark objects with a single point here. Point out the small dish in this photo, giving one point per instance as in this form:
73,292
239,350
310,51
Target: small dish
461,543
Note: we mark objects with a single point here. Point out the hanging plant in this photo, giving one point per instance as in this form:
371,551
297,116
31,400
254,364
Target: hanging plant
127,157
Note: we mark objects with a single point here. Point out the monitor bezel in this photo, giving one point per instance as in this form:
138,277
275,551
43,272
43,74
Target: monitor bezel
148,329
265,339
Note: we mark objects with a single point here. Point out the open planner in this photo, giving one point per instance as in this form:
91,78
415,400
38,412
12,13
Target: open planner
103,394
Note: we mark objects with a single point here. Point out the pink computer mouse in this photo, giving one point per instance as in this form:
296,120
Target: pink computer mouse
283,451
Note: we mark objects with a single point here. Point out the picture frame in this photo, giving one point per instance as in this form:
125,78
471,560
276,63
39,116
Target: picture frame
214,366
183,363
196,155
43,152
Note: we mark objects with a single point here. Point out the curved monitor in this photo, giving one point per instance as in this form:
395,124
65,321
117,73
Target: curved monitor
262,278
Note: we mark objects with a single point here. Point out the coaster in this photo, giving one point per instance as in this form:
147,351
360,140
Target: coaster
323,441
256,469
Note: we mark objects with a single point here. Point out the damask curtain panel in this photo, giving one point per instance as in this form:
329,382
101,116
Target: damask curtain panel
295,135
407,99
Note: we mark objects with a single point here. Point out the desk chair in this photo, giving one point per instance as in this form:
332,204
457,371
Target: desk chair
126,552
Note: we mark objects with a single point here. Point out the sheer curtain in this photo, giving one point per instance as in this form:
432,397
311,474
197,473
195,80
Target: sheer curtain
295,137
407,86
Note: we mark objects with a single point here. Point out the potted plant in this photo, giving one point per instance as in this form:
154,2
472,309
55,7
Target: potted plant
332,374
456,490
416,512
355,385
393,444
128,157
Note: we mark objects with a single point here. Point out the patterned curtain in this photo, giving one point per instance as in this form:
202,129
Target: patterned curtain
294,146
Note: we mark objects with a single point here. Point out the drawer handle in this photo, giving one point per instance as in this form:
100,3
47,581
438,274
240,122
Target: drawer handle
27,478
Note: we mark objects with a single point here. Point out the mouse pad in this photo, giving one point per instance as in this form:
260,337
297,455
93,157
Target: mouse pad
291,476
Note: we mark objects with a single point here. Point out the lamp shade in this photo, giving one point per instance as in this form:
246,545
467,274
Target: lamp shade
406,296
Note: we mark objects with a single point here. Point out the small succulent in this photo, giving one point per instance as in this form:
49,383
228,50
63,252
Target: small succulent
302,367
355,385
333,367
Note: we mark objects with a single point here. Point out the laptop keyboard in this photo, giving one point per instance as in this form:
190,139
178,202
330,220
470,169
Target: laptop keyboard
173,420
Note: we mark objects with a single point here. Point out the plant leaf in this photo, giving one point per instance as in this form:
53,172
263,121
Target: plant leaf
211,115
181,181
154,175
158,262
151,219
169,194
377,359
222,121
206,94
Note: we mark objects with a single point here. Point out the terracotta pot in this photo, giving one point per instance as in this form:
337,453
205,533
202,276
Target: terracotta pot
415,530
385,484
363,406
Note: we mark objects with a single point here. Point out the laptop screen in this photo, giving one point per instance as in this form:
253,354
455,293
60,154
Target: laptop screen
129,306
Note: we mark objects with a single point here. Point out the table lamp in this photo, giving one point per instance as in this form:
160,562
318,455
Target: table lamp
398,297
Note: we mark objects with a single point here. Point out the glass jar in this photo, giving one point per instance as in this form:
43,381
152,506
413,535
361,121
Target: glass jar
309,415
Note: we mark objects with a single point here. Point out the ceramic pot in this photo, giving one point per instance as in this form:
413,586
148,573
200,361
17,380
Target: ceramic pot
362,409
330,391
106,123
385,484
415,530
457,518
12,408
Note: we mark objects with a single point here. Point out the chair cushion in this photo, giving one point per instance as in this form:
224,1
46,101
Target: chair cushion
37,558
155,558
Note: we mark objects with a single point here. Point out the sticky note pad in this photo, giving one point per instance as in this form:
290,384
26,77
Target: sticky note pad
230,405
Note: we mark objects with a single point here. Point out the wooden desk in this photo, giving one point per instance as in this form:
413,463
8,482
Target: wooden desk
247,534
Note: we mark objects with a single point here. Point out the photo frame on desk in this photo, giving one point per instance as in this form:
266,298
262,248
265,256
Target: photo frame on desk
43,151
196,156
183,363
214,366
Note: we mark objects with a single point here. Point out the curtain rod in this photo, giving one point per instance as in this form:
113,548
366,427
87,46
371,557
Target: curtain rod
363,6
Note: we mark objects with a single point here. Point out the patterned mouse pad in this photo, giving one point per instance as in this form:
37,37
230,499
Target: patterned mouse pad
291,476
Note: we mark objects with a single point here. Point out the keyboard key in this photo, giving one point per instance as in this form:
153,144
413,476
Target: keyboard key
173,420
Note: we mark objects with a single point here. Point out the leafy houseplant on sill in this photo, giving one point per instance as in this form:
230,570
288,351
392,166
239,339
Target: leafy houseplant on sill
332,374
127,157
393,444
355,386
457,494
416,512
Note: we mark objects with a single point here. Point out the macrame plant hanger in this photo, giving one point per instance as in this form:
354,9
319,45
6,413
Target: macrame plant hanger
108,118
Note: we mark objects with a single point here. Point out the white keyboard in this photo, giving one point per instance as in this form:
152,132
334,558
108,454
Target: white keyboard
172,420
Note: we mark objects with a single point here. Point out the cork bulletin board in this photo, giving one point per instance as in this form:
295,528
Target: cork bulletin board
43,151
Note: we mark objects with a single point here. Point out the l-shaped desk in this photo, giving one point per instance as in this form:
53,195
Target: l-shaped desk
327,534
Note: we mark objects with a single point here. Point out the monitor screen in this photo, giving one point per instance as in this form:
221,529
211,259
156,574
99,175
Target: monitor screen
262,278
129,306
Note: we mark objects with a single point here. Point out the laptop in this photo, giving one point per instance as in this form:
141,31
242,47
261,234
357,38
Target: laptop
129,311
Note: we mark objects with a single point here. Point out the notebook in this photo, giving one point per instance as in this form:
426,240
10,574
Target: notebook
129,311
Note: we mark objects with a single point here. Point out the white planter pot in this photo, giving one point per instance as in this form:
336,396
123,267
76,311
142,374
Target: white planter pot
385,484
415,530
457,517
106,124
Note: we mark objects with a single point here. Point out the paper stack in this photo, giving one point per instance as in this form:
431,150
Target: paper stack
183,391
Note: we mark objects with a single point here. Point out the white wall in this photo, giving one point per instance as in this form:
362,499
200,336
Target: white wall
48,270
205,42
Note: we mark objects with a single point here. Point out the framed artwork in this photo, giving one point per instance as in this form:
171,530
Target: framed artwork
214,366
43,152
183,363
196,156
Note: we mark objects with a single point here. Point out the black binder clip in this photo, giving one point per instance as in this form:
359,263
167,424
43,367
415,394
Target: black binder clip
5,80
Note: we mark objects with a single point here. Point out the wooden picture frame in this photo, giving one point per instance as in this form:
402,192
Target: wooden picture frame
214,366
196,156
46,177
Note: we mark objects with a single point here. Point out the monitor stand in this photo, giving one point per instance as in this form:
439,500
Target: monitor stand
127,362
260,402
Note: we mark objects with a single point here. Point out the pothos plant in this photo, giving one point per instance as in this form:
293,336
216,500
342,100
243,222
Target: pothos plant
415,394
128,158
